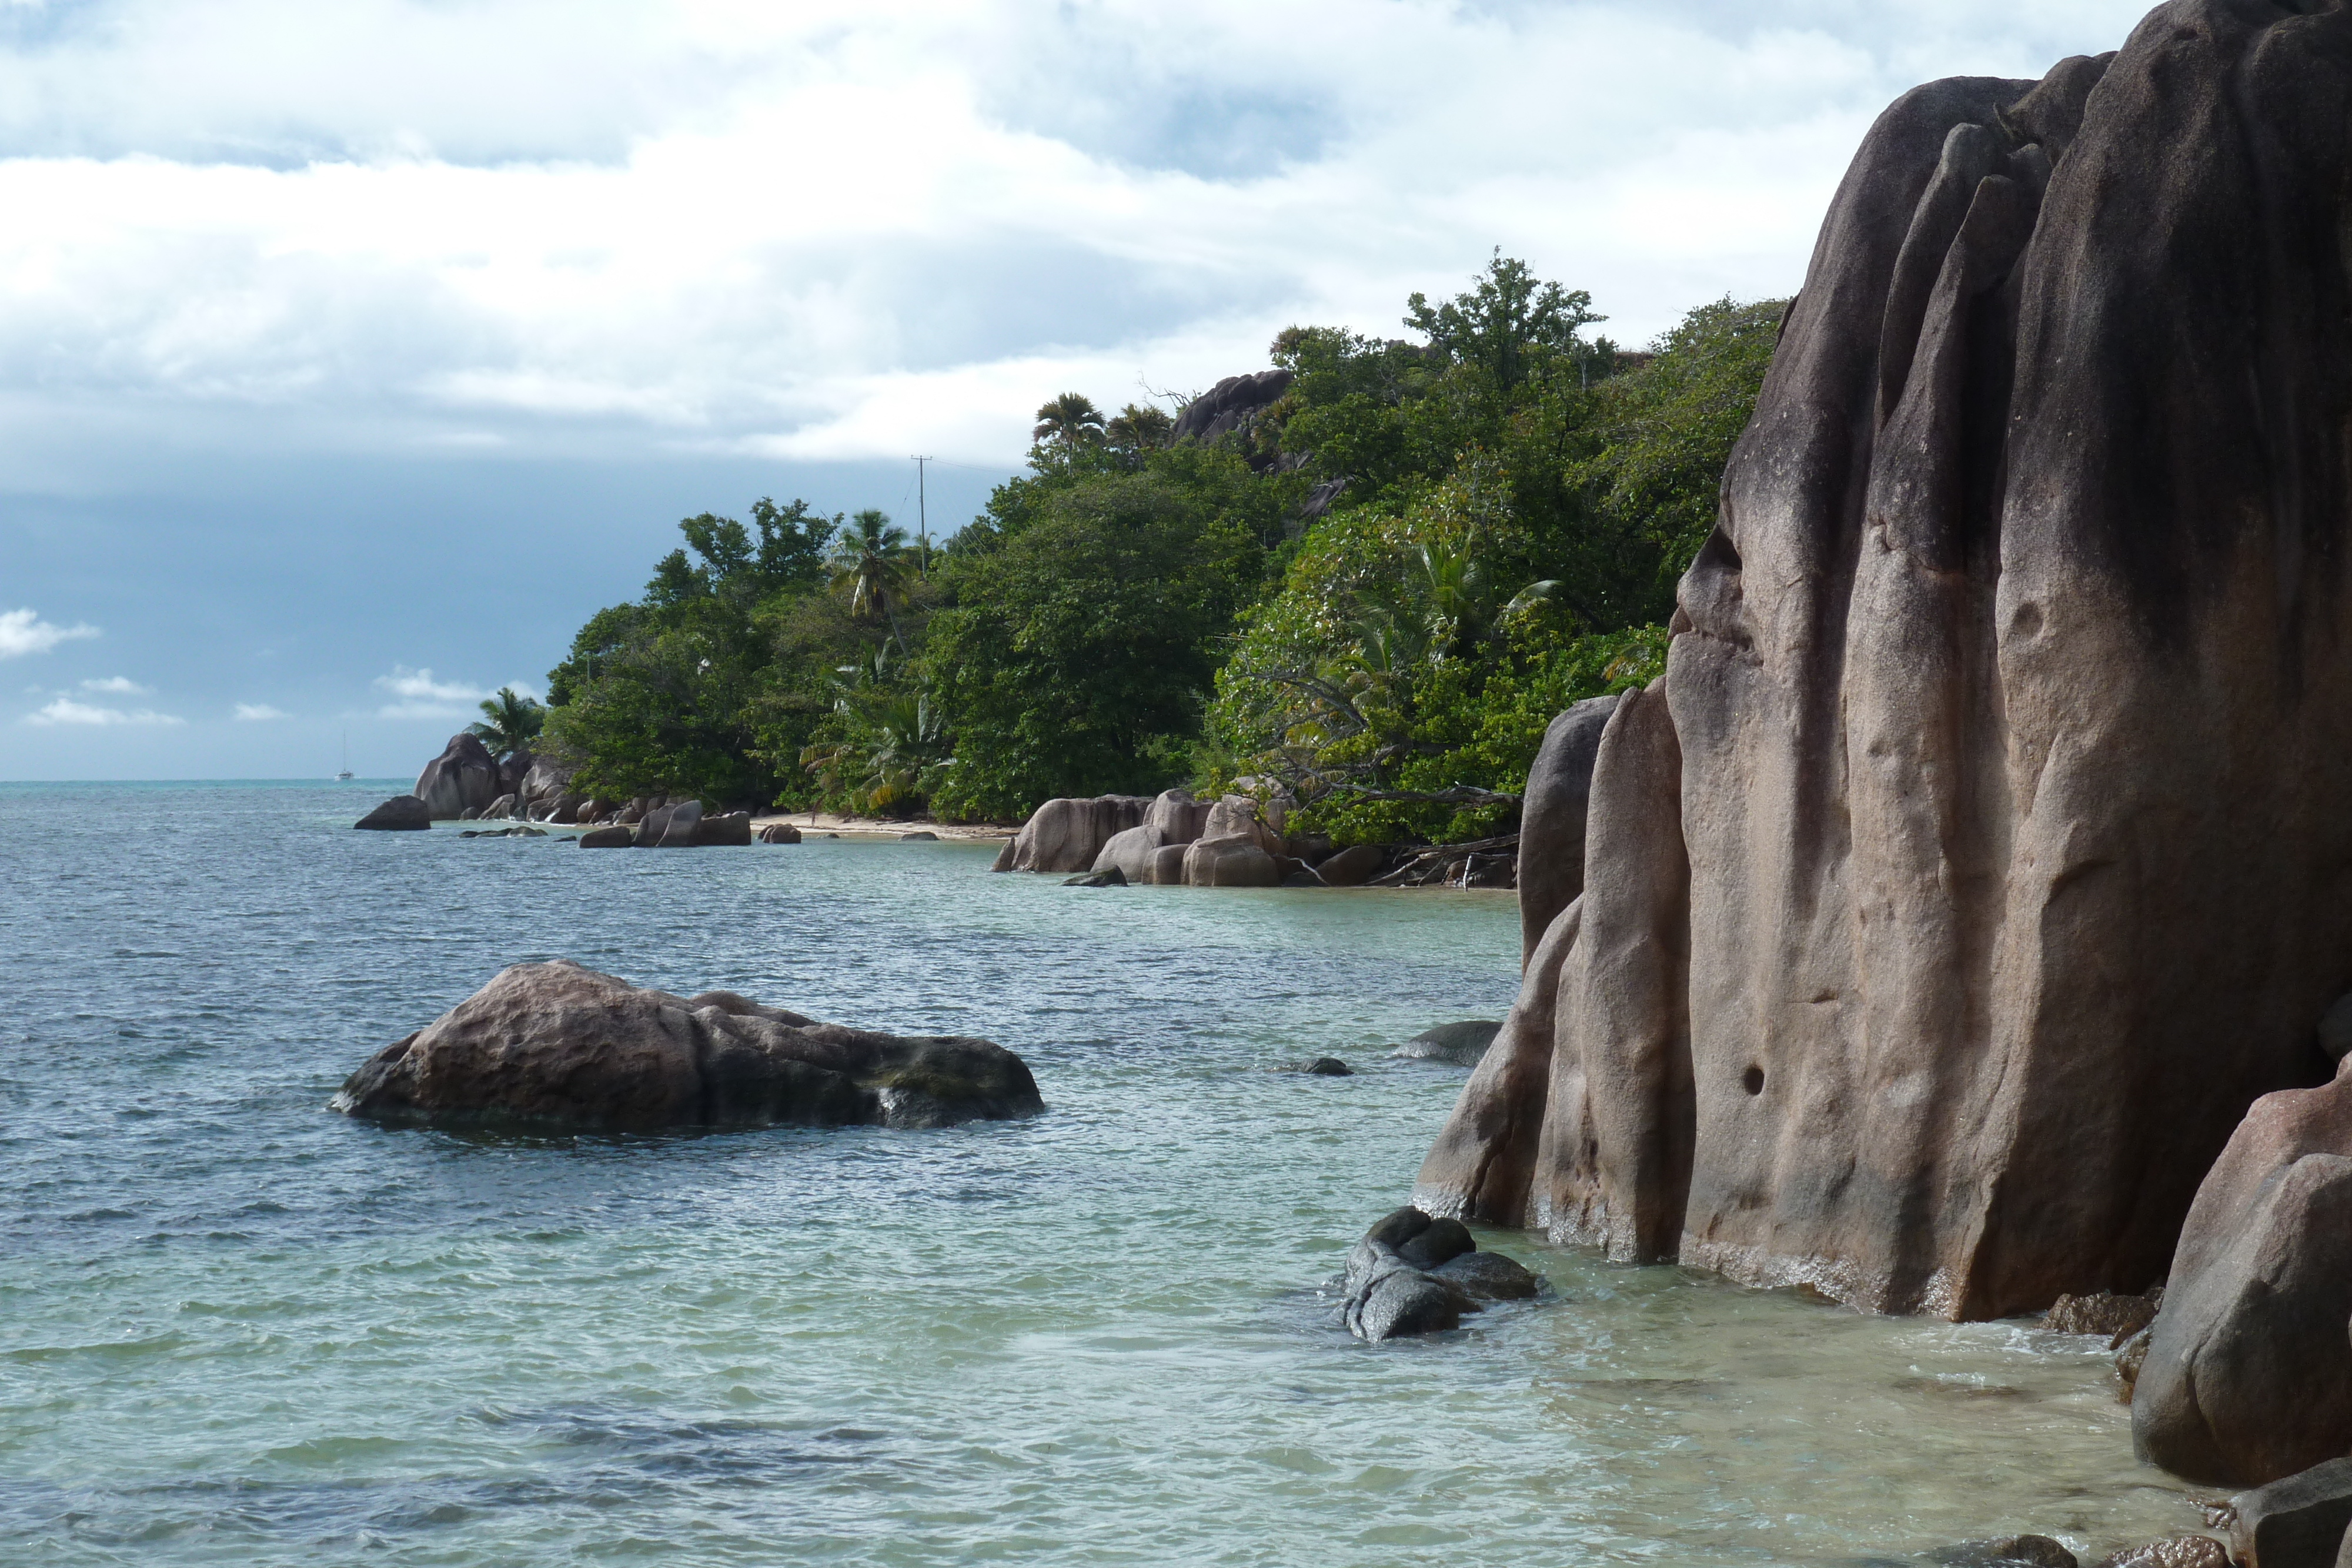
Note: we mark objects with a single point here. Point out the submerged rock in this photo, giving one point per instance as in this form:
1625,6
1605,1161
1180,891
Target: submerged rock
2173,1551
401,813
612,838
780,834
556,1045
1109,876
2110,1316
919,836
1412,1274
1319,1067
1465,1043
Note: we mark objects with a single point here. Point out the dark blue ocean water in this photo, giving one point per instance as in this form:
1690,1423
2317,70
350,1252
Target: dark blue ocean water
238,1328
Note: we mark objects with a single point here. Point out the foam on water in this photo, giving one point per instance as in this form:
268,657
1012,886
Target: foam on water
236,1328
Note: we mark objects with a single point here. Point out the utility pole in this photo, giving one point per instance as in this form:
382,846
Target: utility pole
922,514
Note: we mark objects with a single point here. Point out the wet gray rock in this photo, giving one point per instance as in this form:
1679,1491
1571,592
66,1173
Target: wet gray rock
1464,1043
401,813
2173,1551
1413,1275
2009,1552
559,1046
2297,1522
1110,876
1353,866
1319,1067
780,834
612,838
2110,1316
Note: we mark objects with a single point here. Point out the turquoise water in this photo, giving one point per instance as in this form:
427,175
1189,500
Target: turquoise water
236,1328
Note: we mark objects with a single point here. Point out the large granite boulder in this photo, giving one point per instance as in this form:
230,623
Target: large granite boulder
1067,835
1233,404
513,769
545,780
1977,861
1132,852
2248,1375
464,775
556,1045
401,813
1178,818
1465,1044
1234,860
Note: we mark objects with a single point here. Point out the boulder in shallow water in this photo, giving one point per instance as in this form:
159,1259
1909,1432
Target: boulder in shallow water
1065,835
2173,1551
919,836
1319,1067
614,838
1230,861
2248,1375
1464,1043
464,775
1412,1274
2110,1316
401,812
727,830
2299,1522
780,834
559,1046
1130,852
1108,877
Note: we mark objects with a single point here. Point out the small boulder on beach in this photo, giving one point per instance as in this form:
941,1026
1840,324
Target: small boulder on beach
401,813
557,1046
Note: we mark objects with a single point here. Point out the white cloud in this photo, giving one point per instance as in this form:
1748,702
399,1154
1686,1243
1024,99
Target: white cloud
256,712
65,710
811,230
119,686
24,631
422,697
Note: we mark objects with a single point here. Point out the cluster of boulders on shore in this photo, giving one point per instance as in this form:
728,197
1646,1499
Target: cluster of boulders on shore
467,784
558,1047
1237,841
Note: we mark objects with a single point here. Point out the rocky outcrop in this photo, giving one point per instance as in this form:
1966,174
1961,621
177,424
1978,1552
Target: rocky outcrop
780,834
1412,1274
1231,405
1133,852
464,775
1979,859
1353,866
2248,1371
1067,835
401,812
1177,817
2298,1521
559,1046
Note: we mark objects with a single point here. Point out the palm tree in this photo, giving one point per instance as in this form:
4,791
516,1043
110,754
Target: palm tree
1069,419
1137,426
869,563
509,723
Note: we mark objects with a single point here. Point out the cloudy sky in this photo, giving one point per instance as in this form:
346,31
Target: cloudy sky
352,355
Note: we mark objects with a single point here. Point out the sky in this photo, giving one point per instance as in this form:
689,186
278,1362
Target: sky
352,356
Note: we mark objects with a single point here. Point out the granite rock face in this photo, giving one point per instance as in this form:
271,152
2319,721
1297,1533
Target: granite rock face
1067,835
559,1046
2248,1374
464,775
1551,832
1981,855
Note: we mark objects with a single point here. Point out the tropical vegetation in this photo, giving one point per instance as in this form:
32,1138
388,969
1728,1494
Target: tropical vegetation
1375,592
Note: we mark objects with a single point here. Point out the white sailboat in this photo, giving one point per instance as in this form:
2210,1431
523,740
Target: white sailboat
346,773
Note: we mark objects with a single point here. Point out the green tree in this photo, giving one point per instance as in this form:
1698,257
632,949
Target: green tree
1070,419
1138,427
509,723
1078,645
1507,314
872,569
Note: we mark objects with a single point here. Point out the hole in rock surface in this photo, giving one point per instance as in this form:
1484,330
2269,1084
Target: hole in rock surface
1752,1080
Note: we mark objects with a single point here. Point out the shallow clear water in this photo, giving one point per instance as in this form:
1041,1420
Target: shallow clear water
235,1327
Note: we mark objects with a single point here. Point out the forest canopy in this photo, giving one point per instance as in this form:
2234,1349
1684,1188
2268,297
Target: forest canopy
1375,589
